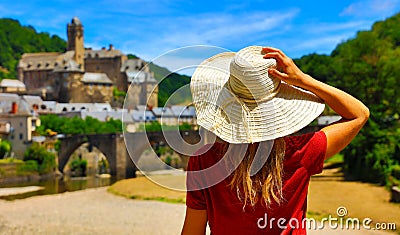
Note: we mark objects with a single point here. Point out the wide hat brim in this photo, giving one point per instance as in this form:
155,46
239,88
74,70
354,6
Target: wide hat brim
219,110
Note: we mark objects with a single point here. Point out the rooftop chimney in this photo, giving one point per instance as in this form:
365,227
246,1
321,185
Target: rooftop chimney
14,108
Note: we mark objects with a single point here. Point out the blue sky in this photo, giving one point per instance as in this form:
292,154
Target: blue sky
150,28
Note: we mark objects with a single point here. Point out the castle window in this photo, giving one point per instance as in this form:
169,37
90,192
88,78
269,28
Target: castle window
64,109
38,65
73,109
21,136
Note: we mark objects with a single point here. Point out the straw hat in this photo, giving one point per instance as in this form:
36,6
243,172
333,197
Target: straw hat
236,99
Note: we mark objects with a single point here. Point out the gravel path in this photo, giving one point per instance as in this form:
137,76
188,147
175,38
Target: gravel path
91,211
95,211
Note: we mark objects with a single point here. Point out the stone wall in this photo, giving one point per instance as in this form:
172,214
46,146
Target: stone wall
110,66
9,172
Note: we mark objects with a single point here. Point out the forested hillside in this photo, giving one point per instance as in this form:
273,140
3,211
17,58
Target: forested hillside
368,67
16,40
169,83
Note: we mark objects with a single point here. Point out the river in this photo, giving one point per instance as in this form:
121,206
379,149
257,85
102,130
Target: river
149,161
58,185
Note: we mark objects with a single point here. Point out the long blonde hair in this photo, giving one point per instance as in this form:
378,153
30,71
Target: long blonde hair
266,184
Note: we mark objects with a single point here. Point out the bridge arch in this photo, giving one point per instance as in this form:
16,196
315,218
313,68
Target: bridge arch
111,145
116,146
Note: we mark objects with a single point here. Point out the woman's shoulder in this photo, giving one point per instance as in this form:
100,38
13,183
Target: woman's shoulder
299,141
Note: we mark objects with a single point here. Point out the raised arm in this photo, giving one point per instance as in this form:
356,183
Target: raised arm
354,113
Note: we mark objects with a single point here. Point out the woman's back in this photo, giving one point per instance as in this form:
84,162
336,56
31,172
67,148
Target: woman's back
304,156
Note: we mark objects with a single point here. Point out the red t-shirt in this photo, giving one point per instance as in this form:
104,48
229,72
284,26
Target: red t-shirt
304,157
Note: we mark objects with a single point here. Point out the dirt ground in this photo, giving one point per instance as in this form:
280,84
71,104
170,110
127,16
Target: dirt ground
90,211
97,211
327,192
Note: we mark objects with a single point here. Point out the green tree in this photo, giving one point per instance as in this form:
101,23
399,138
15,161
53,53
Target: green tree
46,160
76,125
5,147
367,67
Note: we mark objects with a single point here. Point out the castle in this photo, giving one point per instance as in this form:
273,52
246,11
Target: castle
84,75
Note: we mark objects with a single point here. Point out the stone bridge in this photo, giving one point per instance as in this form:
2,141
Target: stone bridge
122,150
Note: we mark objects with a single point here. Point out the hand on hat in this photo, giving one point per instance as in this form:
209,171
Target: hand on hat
289,73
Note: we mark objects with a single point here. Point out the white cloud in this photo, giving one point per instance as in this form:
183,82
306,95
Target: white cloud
232,31
222,29
368,8
323,28
324,44
324,37
185,59
17,10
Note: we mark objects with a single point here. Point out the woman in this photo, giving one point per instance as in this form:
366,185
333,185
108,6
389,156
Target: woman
258,98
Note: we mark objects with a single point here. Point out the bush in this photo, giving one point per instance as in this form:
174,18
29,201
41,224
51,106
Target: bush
46,161
371,155
117,93
5,147
78,166
10,160
395,172
394,176
28,167
155,126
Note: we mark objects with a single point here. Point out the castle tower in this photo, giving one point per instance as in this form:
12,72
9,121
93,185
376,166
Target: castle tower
75,41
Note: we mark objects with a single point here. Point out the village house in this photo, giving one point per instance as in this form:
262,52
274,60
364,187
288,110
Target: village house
18,122
12,86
